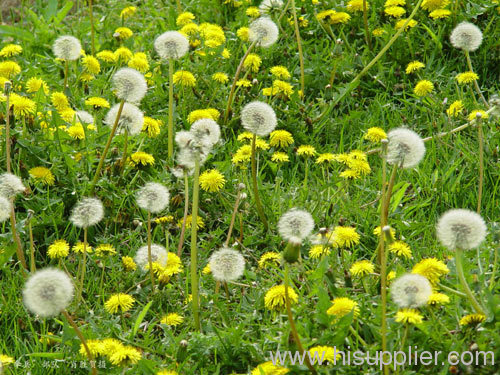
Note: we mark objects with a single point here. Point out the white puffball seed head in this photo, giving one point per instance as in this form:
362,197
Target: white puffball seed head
48,292
295,225
264,32
153,197
411,291
227,264
129,85
461,229
84,117
131,118
405,148
466,36
171,45
5,207
206,128
158,254
67,47
87,212
10,185
258,118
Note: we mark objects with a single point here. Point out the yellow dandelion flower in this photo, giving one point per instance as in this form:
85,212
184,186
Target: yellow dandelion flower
189,29
413,66
139,62
325,158
409,316
401,22
184,78
79,248
455,108
43,175
128,12
431,268
268,368
252,62
91,64
58,249
198,114
184,18
467,77
401,249
440,14
342,306
105,248
8,69
275,297
376,232
280,157
128,263
125,355
395,12
199,222
356,5
318,251
172,319
86,77
391,276
151,127
375,134
280,72
306,150
280,138
34,84
164,219
76,131
11,50
120,301
123,32
107,56
220,77
243,83
6,360
141,158
22,106
378,32
430,5
362,268
269,258
212,180
472,319
473,115
345,236
97,102
243,33
325,353
226,54
437,298
123,53
173,267
423,88
59,100
252,12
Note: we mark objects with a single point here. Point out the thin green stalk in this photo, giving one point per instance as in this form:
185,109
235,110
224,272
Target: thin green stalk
66,72
451,290
293,328
125,149
82,339
106,148
150,259
358,337
481,164
476,85
258,203
84,265
7,125
465,286
233,218
299,47
170,108
233,86
494,271
92,30
365,22
32,243
283,11
17,240
194,248
184,218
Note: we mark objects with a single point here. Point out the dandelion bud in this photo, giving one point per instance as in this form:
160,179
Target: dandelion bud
171,45
67,48
479,115
292,252
131,118
129,85
466,36
206,130
5,207
405,147
411,290
264,32
226,264
10,185
87,212
241,186
7,86
295,225
84,117
47,292
158,255
387,234
153,197
461,229
243,196
258,118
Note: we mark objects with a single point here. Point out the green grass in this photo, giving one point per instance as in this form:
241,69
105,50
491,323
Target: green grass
239,333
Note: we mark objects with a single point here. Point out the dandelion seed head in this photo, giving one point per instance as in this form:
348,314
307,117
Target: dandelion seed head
129,85
258,118
131,118
84,117
411,290
171,45
158,255
153,197
206,128
461,229
47,292
466,36
267,5
227,264
264,32
87,212
295,225
10,185
5,207
405,147
67,47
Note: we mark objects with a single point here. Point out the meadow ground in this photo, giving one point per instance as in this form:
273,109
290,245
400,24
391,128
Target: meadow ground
338,78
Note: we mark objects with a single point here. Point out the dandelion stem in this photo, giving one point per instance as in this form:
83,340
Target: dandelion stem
106,148
481,164
184,218
358,337
194,249
233,86
84,265
388,193
170,108
17,240
150,259
295,335
476,85
66,72
125,147
365,22
179,7
494,271
465,286
299,47
283,12
258,203
233,218
7,126
82,339
451,290
92,30
32,243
